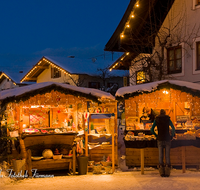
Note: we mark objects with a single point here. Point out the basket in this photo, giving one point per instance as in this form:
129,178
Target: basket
106,163
108,169
56,157
97,169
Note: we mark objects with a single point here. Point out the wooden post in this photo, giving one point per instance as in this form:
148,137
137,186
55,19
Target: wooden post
86,130
86,143
183,159
74,159
113,152
23,148
142,160
29,163
113,142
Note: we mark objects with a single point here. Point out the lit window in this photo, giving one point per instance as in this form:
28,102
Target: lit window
55,73
141,77
174,60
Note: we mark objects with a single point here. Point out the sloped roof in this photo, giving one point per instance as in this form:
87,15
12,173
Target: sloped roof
15,77
3,76
138,25
131,91
123,62
70,66
25,92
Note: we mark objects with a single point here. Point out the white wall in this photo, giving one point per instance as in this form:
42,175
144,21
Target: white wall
7,84
45,76
183,20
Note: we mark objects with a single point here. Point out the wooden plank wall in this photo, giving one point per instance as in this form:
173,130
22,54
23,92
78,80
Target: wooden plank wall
97,153
192,156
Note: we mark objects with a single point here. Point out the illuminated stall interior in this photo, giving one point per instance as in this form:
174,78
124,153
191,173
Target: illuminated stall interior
181,100
36,112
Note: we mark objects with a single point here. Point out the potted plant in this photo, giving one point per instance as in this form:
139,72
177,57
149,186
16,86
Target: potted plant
92,131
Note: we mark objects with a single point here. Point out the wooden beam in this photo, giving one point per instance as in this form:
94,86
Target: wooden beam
42,66
31,79
142,160
183,159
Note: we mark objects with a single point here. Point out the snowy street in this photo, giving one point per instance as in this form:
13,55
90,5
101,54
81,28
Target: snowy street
119,180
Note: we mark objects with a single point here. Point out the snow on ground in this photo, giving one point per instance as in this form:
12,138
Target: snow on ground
130,180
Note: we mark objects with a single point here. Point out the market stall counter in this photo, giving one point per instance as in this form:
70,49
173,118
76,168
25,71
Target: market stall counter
183,152
142,103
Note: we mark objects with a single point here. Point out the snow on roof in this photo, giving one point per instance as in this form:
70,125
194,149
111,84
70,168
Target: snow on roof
84,66
149,87
25,89
14,76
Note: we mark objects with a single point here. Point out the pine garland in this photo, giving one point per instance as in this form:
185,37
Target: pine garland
48,89
165,85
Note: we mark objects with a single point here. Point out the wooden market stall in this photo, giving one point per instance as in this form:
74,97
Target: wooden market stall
181,100
51,122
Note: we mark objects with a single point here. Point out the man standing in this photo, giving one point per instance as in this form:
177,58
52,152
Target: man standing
162,122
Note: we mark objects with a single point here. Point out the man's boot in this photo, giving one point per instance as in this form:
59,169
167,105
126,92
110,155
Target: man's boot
167,171
161,171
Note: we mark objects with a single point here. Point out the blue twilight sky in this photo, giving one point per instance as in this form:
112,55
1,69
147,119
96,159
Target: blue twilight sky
30,29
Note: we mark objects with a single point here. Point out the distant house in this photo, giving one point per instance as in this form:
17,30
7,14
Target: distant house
166,34
8,82
90,73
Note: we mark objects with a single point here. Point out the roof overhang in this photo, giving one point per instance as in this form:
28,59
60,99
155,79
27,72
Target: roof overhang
123,62
136,90
138,26
26,92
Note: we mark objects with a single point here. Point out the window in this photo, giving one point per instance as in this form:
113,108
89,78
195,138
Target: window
174,60
110,84
55,73
140,77
198,56
94,85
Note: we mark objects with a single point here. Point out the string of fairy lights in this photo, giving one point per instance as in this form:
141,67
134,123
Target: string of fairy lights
38,64
126,26
171,97
3,74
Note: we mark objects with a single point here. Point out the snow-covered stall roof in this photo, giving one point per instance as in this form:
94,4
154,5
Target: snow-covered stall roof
184,86
18,93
